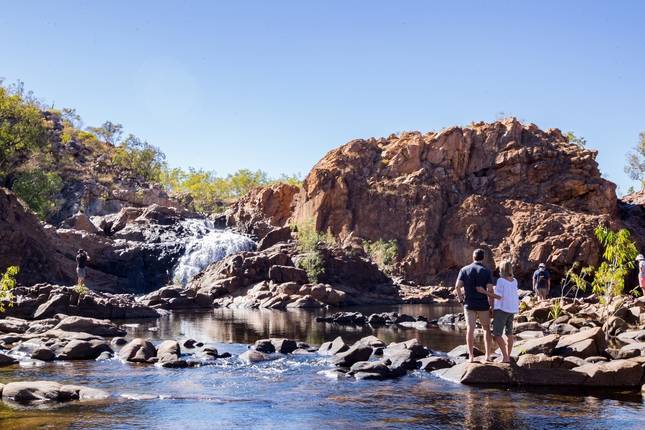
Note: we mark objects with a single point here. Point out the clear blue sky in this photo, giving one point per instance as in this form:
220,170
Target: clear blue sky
275,85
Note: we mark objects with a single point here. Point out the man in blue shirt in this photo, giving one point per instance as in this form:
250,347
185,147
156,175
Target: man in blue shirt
542,282
478,296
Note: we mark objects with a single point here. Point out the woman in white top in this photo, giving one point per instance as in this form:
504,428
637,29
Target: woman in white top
641,272
505,309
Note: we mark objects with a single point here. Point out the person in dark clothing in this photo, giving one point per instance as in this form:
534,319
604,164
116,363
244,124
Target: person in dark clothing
542,282
477,297
81,266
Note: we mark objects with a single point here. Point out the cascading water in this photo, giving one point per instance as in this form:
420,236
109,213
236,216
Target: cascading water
207,245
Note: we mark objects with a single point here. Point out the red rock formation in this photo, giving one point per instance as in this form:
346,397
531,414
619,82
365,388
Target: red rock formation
511,188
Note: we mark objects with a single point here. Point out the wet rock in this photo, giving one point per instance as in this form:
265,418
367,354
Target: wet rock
138,351
334,347
6,360
190,343
13,325
417,350
401,360
119,341
265,346
168,354
430,364
352,355
105,355
371,341
284,346
43,354
253,356
478,373
377,370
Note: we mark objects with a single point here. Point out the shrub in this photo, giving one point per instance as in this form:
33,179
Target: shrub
309,241
382,252
140,158
81,289
556,309
7,284
619,254
37,189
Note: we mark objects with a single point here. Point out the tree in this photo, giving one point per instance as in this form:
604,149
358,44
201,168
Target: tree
72,117
635,167
22,131
108,131
37,188
580,141
618,255
242,181
140,158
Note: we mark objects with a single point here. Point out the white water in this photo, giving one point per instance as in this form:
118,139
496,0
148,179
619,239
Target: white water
207,245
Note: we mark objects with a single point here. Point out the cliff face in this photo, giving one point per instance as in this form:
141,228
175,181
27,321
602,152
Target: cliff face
512,189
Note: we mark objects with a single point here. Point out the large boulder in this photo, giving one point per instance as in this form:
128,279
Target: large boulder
83,349
615,373
334,347
352,355
168,354
478,373
45,391
586,343
139,351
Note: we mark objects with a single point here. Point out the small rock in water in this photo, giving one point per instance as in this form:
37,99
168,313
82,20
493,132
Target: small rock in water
190,343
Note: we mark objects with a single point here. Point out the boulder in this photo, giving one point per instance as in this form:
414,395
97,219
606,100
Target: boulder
284,346
83,349
252,356
277,235
43,354
461,351
168,354
614,326
352,355
280,274
264,345
377,370
430,364
44,391
615,373
334,347
583,344
6,360
540,345
543,361
138,351
13,325
478,373
93,326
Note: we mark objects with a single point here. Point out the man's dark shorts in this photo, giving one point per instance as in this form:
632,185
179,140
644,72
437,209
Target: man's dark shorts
502,320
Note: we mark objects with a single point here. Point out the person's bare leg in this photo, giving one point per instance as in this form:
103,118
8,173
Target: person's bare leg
502,347
488,344
509,345
470,342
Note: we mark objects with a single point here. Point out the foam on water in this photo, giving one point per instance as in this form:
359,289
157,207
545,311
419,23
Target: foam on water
207,246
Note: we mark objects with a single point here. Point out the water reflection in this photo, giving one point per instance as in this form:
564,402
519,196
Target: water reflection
290,393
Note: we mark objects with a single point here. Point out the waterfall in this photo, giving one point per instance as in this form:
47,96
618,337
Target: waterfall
207,245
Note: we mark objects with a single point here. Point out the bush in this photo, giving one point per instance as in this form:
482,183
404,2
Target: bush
22,129
309,240
140,158
619,254
37,189
7,284
383,253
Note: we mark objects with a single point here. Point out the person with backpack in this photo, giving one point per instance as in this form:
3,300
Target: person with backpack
641,272
81,266
542,282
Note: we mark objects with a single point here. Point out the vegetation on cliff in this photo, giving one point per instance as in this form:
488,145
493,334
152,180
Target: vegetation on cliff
7,284
43,150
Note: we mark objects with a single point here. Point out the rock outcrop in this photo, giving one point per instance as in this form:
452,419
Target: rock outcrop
510,188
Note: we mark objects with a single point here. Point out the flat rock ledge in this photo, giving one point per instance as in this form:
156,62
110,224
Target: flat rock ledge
30,392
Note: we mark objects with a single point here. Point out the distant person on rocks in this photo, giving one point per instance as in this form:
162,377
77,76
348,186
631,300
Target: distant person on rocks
641,272
81,266
505,309
477,297
542,282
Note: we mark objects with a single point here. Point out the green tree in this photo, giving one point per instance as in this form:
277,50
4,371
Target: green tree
22,131
7,284
618,259
37,188
140,158
108,131
572,138
309,242
635,167
242,181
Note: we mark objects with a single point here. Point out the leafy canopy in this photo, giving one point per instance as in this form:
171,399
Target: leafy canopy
635,167
7,284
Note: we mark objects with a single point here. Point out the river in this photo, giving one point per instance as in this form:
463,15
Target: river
291,393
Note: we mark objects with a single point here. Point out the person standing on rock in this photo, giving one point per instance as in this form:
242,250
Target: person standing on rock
477,297
505,309
81,266
641,272
542,282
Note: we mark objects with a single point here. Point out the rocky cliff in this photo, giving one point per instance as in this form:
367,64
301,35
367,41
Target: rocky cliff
510,188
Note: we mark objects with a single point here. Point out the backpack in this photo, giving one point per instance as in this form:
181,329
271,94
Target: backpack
542,278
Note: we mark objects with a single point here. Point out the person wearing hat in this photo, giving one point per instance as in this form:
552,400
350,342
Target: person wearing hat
542,282
81,266
641,272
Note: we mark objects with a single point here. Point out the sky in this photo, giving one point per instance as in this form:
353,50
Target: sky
274,85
